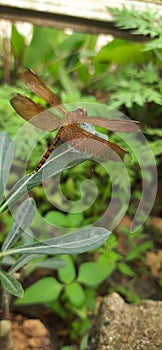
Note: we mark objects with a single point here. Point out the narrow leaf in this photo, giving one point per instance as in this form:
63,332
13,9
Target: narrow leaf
59,160
72,243
52,263
6,158
28,236
23,260
10,284
8,261
23,219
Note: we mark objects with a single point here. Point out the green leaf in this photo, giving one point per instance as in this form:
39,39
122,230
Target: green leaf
36,53
93,273
121,52
73,243
17,42
125,269
22,220
156,132
6,158
10,284
154,45
137,92
90,294
84,342
139,251
68,85
145,22
71,43
44,291
75,294
129,295
84,74
156,147
67,273
59,219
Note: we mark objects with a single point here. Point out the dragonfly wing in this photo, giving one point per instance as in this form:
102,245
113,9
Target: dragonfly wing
37,85
99,150
92,144
112,124
34,113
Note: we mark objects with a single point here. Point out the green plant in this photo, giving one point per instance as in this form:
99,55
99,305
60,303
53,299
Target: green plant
145,22
74,289
29,248
127,76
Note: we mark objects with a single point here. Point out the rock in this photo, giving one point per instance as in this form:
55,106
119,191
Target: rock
122,326
29,334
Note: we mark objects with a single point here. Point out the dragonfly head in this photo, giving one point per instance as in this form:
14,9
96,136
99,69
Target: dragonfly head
81,112
75,116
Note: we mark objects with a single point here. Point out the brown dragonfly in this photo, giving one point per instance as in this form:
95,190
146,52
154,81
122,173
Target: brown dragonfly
73,125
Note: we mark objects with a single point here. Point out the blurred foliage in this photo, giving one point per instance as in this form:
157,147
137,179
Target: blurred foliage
124,75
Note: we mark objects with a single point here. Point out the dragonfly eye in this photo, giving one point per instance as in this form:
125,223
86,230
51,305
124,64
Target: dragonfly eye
81,112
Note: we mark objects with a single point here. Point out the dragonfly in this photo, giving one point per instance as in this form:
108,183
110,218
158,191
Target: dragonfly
75,127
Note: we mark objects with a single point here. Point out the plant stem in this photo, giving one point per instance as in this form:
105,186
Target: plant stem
5,324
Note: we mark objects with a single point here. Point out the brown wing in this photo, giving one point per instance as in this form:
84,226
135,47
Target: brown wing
115,124
110,124
34,113
92,144
37,85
